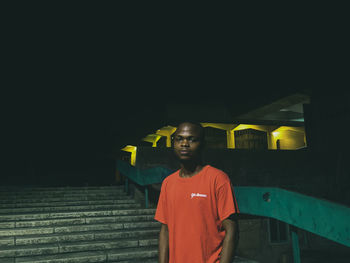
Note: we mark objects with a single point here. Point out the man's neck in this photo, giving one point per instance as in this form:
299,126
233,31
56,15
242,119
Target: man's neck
190,169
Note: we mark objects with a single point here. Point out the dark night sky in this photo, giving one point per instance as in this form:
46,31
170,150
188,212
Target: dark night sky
77,87
87,121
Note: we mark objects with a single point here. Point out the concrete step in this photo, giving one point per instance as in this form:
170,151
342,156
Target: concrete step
76,214
58,188
152,260
62,199
75,237
7,201
7,232
82,246
58,192
340,254
48,190
66,202
72,225
75,221
244,260
109,255
155,260
68,208
39,195
139,256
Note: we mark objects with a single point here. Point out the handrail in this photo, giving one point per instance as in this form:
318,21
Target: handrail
321,217
143,177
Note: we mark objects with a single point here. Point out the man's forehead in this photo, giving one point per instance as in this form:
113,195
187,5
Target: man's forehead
187,128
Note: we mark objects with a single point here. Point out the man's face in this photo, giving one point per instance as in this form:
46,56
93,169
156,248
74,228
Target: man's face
187,142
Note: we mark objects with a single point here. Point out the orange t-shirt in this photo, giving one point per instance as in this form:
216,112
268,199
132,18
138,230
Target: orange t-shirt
193,209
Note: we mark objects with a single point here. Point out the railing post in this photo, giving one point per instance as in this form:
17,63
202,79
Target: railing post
127,185
296,249
146,196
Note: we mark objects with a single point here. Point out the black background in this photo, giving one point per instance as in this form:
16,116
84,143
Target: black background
79,84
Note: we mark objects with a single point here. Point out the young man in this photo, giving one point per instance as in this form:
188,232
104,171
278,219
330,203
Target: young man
196,206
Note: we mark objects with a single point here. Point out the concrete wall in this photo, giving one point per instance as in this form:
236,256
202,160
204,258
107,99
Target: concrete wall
326,120
289,140
254,243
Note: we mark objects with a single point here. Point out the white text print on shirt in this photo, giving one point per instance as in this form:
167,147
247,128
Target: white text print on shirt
198,195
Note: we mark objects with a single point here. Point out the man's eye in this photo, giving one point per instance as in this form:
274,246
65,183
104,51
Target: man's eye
180,139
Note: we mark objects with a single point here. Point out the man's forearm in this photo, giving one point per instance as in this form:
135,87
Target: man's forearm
227,252
230,242
163,246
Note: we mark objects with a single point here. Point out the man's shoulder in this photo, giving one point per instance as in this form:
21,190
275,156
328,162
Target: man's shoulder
171,177
215,171
217,174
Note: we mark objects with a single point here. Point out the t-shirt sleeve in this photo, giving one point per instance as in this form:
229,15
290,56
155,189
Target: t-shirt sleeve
226,200
161,212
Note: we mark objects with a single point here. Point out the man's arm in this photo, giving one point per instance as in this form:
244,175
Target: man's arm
230,240
163,246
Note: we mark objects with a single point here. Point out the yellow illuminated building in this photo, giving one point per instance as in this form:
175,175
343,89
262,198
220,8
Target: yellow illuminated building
132,149
277,137
288,138
166,131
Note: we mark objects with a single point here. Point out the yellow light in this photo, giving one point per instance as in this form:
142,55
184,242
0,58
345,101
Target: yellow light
275,133
166,131
250,126
129,148
221,126
132,149
152,138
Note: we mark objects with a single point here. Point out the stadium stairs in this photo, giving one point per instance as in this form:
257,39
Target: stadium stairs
76,225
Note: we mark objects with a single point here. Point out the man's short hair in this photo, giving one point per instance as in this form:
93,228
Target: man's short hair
199,125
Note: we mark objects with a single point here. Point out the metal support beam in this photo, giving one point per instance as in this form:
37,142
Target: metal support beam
126,185
296,249
146,196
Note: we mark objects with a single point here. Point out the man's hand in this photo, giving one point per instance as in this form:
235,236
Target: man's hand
230,240
163,247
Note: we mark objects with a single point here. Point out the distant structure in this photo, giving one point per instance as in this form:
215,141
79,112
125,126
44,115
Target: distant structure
276,126
298,143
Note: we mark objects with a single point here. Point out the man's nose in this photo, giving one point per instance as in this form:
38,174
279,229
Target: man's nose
185,143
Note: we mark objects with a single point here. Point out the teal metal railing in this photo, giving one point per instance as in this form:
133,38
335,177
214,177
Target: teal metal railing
143,178
321,217
318,216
